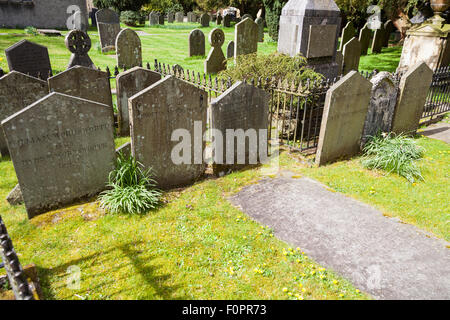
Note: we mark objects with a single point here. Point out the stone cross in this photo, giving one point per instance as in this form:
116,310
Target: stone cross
79,43
216,60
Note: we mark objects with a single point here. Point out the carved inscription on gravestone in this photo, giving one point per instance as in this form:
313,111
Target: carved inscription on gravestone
321,41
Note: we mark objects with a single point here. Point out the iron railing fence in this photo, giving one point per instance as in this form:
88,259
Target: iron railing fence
438,99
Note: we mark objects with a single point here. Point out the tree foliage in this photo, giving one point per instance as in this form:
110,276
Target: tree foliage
120,5
273,13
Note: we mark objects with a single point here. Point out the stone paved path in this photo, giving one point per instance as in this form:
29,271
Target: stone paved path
440,131
379,255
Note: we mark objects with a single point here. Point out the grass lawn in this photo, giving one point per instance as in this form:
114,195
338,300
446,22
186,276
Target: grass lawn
169,44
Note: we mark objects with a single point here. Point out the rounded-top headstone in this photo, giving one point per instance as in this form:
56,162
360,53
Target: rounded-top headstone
196,43
217,38
129,49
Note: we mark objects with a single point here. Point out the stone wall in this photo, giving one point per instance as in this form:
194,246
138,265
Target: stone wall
43,14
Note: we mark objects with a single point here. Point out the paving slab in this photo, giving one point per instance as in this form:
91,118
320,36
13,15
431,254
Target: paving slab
439,131
379,255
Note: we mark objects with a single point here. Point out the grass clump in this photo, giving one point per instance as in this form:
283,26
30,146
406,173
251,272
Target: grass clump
274,65
132,189
394,153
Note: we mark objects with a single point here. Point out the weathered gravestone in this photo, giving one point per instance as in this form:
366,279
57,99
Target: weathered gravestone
108,25
227,20
205,19
216,60
388,29
365,35
192,17
18,91
414,88
179,17
168,121
196,43
351,53
246,38
84,83
161,19
382,105
79,43
128,84
239,123
260,22
29,58
345,110
378,38
170,17
62,149
339,62
230,50
347,34
154,18
219,19
129,49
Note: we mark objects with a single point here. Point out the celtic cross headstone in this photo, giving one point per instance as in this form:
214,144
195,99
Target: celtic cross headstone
79,43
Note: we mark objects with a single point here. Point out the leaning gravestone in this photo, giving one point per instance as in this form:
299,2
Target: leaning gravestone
230,50
414,88
352,52
129,49
378,38
62,149
128,84
17,91
196,43
347,33
154,18
161,115
205,19
260,22
365,36
241,107
216,61
246,38
83,83
345,110
179,17
382,105
170,17
29,58
227,20
108,25
79,43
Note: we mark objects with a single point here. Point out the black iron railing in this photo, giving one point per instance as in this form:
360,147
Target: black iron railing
438,100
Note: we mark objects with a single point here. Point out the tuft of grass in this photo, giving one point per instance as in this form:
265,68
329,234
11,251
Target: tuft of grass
132,190
31,30
394,154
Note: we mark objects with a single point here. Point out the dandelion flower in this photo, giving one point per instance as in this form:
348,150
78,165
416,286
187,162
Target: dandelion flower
285,289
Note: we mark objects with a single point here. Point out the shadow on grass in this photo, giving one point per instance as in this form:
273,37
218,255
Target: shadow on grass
150,275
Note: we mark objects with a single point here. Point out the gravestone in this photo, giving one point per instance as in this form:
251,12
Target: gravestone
108,25
245,16
219,19
170,17
260,22
351,53
310,25
29,58
205,19
196,43
227,20
365,35
230,50
83,83
129,49
179,17
79,43
192,17
347,34
241,107
157,115
378,38
413,91
345,110
62,149
216,60
161,19
17,91
154,18
129,83
246,38
92,16
382,105
339,62
388,29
